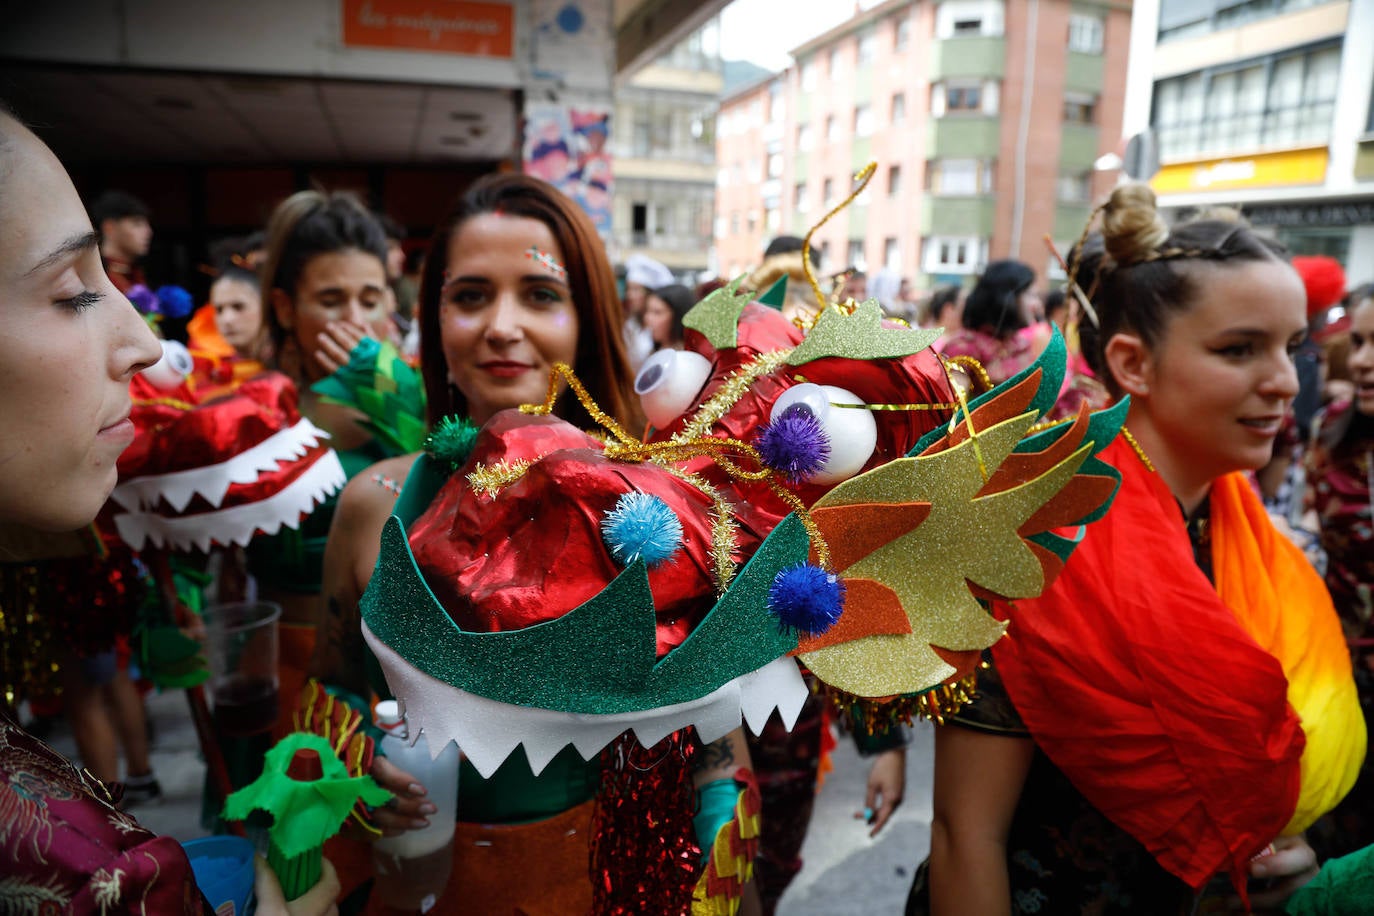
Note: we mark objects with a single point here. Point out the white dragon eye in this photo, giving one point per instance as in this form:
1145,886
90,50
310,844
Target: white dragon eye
668,384
852,432
169,372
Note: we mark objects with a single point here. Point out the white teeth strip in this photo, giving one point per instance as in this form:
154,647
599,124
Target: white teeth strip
213,481
488,731
238,524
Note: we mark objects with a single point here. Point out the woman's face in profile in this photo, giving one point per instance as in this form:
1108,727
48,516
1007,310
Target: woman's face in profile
72,343
238,314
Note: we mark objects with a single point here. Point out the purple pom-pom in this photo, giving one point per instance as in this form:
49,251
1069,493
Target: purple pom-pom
806,598
143,299
795,445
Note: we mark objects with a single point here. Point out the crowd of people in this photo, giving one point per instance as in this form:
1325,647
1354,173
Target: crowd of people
1178,721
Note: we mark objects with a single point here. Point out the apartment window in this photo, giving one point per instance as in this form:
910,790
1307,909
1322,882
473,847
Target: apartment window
808,76
959,177
828,192
894,180
1286,100
804,140
968,18
775,165
867,45
953,255
963,98
777,102
752,223
825,251
1074,189
856,254
832,66
734,223
1188,18
799,197
639,221
662,219
639,133
1085,34
722,177
863,120
1080,108
772,221
898,108
892,254
832,129
901,34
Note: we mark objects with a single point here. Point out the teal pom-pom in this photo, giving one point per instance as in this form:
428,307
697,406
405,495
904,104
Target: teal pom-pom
452,441
806,598
641,527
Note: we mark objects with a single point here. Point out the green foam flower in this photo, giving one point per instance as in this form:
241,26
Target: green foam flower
305,813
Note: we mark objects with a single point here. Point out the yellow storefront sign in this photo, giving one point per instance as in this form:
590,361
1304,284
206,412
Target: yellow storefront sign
1264,170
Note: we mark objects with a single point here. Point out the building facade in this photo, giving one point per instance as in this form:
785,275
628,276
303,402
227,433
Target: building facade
985,119
664,148
1266,105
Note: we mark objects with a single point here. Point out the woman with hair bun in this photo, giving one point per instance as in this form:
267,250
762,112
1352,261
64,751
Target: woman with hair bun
1178,706
324,288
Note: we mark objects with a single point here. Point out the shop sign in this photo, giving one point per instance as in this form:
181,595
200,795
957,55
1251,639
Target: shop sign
1328,214
436,26
1263,170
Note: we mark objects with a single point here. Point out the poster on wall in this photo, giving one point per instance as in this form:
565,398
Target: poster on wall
572,42
565,145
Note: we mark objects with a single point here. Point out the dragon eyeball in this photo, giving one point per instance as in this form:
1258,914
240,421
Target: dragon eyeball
852,432
669,382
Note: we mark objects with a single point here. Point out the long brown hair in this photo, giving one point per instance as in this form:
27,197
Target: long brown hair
601,362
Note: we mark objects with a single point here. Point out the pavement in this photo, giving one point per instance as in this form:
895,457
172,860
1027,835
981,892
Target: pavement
845,873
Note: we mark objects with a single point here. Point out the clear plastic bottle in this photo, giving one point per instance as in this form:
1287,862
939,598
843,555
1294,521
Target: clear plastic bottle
413,868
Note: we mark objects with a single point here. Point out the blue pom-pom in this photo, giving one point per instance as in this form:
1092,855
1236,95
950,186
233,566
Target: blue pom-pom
174,302
641,527
795,444
806,598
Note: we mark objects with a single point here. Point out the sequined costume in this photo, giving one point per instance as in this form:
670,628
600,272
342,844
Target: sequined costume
1339,468
66,848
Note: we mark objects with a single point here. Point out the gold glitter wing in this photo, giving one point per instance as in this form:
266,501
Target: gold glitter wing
859,335
717,316
969,537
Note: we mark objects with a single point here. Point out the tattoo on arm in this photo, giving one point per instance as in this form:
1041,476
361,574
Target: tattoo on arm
718,755
343,649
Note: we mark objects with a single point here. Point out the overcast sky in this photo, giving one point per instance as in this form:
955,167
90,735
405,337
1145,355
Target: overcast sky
764,31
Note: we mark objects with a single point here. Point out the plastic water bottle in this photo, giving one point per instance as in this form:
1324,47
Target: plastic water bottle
413,868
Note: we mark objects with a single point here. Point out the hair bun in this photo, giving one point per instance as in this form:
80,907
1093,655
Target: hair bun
1132,229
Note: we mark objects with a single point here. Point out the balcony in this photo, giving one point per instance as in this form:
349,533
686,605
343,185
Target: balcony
958,216
964,137
1077,148
1069,220
974,56
1083,73
860,153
